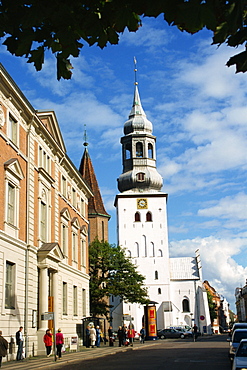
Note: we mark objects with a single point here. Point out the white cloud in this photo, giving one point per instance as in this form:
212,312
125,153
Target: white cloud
218,265
231,207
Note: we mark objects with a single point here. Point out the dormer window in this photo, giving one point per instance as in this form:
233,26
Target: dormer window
140,176
139,150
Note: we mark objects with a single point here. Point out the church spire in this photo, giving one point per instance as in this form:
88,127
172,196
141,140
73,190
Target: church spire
139,154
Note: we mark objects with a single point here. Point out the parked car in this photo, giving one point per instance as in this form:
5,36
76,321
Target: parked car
238,325
240,358
172,333
237,336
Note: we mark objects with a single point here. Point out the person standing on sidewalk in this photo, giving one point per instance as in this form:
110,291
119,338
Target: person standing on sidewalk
48,342
92,335
111,336
120,336
59,343
195,329
131,335
3,347
97,336
19,341
143,334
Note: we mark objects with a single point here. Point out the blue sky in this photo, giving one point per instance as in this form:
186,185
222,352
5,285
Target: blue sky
198,108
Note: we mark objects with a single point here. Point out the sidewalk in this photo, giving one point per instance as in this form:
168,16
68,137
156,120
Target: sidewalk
42,362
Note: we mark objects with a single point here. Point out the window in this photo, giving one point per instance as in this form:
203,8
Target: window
73,197
150,151
137,217
12,130
156,275
44,160
74,247
11,204
75,300
186,305
139,150
140,176
65,298
64,239
9,286
149,217
84,306
43,222
103,230
83,253
128,151
159,290
151,250
82,207
160,253
137,252
64,186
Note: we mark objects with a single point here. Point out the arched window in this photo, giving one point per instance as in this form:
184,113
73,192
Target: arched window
139,150
128,253
159,290
149,216
128,151
160,254
151,250
150,150
137,253
137,217
156,275
144,246
186,305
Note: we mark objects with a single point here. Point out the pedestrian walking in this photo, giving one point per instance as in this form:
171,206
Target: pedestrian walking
195,330
131,335
120,336
19,341
98,336
47,339
3,347
124,330
143,334
111,336
92,335
59,343
88,336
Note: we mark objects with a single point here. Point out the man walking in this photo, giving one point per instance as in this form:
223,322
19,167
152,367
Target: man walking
19,342
3,347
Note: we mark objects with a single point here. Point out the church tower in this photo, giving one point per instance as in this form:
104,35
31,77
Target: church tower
142,213
97,215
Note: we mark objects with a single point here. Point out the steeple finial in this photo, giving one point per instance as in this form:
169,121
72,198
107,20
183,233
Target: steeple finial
135,70
85,137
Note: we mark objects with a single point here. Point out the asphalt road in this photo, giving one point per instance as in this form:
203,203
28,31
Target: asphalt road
210,353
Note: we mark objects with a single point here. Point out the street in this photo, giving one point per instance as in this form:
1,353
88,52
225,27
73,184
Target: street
207,353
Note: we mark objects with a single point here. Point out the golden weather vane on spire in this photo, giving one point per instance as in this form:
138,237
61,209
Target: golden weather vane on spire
135,70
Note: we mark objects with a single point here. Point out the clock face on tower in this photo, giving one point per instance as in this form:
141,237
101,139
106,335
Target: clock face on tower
142,203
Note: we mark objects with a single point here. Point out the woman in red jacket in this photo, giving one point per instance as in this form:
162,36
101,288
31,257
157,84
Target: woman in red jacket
48,342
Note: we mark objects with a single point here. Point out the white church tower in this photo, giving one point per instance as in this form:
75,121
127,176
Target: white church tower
174,284
141,210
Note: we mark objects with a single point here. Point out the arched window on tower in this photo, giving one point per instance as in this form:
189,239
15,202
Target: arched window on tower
150,151
156,275
137,217
149,217
139,150
128,151
186,305
128,253
160,254
137,253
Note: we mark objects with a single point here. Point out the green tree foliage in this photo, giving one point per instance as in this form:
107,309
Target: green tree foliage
31,27
212,307
111,272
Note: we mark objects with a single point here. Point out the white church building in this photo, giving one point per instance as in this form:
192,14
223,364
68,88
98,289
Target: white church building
174,284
